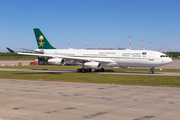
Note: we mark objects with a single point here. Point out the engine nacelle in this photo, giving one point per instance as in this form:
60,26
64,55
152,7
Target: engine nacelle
56,61
93,65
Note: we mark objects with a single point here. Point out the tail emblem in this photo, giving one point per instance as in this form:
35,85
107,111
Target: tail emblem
41,38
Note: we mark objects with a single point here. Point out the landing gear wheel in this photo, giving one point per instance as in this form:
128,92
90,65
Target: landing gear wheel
84,70
102,69
79,70
89,69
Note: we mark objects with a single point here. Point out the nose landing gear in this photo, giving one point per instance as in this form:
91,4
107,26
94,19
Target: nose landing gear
151,70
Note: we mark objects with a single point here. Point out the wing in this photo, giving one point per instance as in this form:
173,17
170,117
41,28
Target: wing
76,58
26,49
37,51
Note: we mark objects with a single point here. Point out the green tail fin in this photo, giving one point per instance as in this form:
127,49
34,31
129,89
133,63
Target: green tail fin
41,40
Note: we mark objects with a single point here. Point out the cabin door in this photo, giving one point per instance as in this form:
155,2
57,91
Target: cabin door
151,58
151,55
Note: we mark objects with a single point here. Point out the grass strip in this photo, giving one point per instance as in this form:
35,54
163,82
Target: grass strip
168,81
49,67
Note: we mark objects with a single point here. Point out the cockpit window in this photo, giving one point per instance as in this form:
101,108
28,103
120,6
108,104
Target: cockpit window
163,56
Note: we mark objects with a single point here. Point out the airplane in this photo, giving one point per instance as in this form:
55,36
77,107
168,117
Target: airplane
97,59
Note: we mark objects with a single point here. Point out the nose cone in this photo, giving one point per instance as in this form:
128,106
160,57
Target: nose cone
169,60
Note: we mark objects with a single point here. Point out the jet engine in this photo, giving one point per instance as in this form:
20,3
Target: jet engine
57,61
93,65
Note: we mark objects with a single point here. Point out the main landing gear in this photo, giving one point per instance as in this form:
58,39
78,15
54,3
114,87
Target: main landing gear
151,70
83,70
90,70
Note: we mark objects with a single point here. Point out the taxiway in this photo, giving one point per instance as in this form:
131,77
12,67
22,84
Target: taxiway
45,100
73,71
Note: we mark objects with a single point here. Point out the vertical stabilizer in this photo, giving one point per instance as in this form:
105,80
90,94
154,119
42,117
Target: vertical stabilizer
41,40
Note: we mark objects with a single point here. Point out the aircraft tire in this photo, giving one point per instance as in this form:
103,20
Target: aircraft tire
89,70
102,69
84,70
79,70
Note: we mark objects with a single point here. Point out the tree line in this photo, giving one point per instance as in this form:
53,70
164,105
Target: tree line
173,54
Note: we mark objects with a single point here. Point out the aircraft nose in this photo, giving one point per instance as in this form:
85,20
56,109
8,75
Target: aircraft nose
170,60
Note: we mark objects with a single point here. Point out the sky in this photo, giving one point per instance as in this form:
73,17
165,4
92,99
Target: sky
107,21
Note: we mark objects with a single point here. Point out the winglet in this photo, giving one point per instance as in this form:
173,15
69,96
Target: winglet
10,50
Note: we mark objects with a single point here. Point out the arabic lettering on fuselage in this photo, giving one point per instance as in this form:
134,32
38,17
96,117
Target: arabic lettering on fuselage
131,53
107,53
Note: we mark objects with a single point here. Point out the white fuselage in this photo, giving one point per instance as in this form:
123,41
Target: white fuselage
119,58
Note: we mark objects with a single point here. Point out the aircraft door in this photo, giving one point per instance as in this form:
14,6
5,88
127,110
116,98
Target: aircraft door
151,55
150,61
